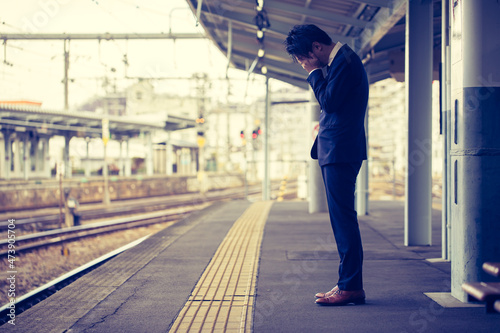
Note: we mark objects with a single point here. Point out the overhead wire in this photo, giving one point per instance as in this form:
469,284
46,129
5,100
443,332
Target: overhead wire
102,6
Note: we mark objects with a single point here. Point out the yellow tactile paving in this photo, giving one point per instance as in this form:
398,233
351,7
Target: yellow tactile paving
223,299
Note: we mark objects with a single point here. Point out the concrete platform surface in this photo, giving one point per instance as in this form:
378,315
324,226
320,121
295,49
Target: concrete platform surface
145,288
299,259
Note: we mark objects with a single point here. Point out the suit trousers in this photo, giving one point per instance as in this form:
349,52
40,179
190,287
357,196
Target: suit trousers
340,184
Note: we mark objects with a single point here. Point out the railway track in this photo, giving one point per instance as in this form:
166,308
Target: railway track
30,299
51,237
183,206
139,214
128,207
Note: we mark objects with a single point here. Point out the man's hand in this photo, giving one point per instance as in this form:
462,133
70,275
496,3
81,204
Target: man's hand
309,63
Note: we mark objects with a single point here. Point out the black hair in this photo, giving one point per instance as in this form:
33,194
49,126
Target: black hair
301,37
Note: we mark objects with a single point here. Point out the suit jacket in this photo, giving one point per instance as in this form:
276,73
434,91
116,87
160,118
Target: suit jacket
343,97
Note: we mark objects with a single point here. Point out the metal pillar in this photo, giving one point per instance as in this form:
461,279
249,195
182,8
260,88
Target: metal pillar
266,185
418,78
66,70
25,156
35,143
16,157
66,159
317,193
105,197
46,158
475,151
8,153
445,112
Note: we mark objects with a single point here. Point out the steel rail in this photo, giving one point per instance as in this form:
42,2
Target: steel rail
94,232
94,229
141,206
33,297
87,230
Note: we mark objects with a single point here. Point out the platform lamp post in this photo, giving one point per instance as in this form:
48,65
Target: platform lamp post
105,139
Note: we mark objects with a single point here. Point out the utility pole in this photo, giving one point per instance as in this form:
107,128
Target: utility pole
91,36
201,82
105,139
66,70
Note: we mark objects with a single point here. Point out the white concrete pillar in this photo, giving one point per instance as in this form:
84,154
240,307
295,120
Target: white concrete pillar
317,192
149,154
362,190
128,161
45,158
362,186
475,146
196,164
121,163
87,158
418,78
180,166
26,157
17,157
169,156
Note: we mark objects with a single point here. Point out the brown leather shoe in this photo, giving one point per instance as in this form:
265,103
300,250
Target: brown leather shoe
327,294
343,297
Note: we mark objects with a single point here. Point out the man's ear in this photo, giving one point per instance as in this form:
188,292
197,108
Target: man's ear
317,46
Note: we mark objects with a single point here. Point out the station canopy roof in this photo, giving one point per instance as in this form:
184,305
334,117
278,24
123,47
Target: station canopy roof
24,118
373,28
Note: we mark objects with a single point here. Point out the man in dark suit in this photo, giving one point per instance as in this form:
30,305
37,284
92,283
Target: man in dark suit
340,146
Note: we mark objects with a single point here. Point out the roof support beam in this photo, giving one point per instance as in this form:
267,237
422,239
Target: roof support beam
276,27
291,69
300,10
376,3
288,79
385,19
241,32
103,36
229,44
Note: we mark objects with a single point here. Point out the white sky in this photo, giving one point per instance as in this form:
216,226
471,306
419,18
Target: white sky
33,70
